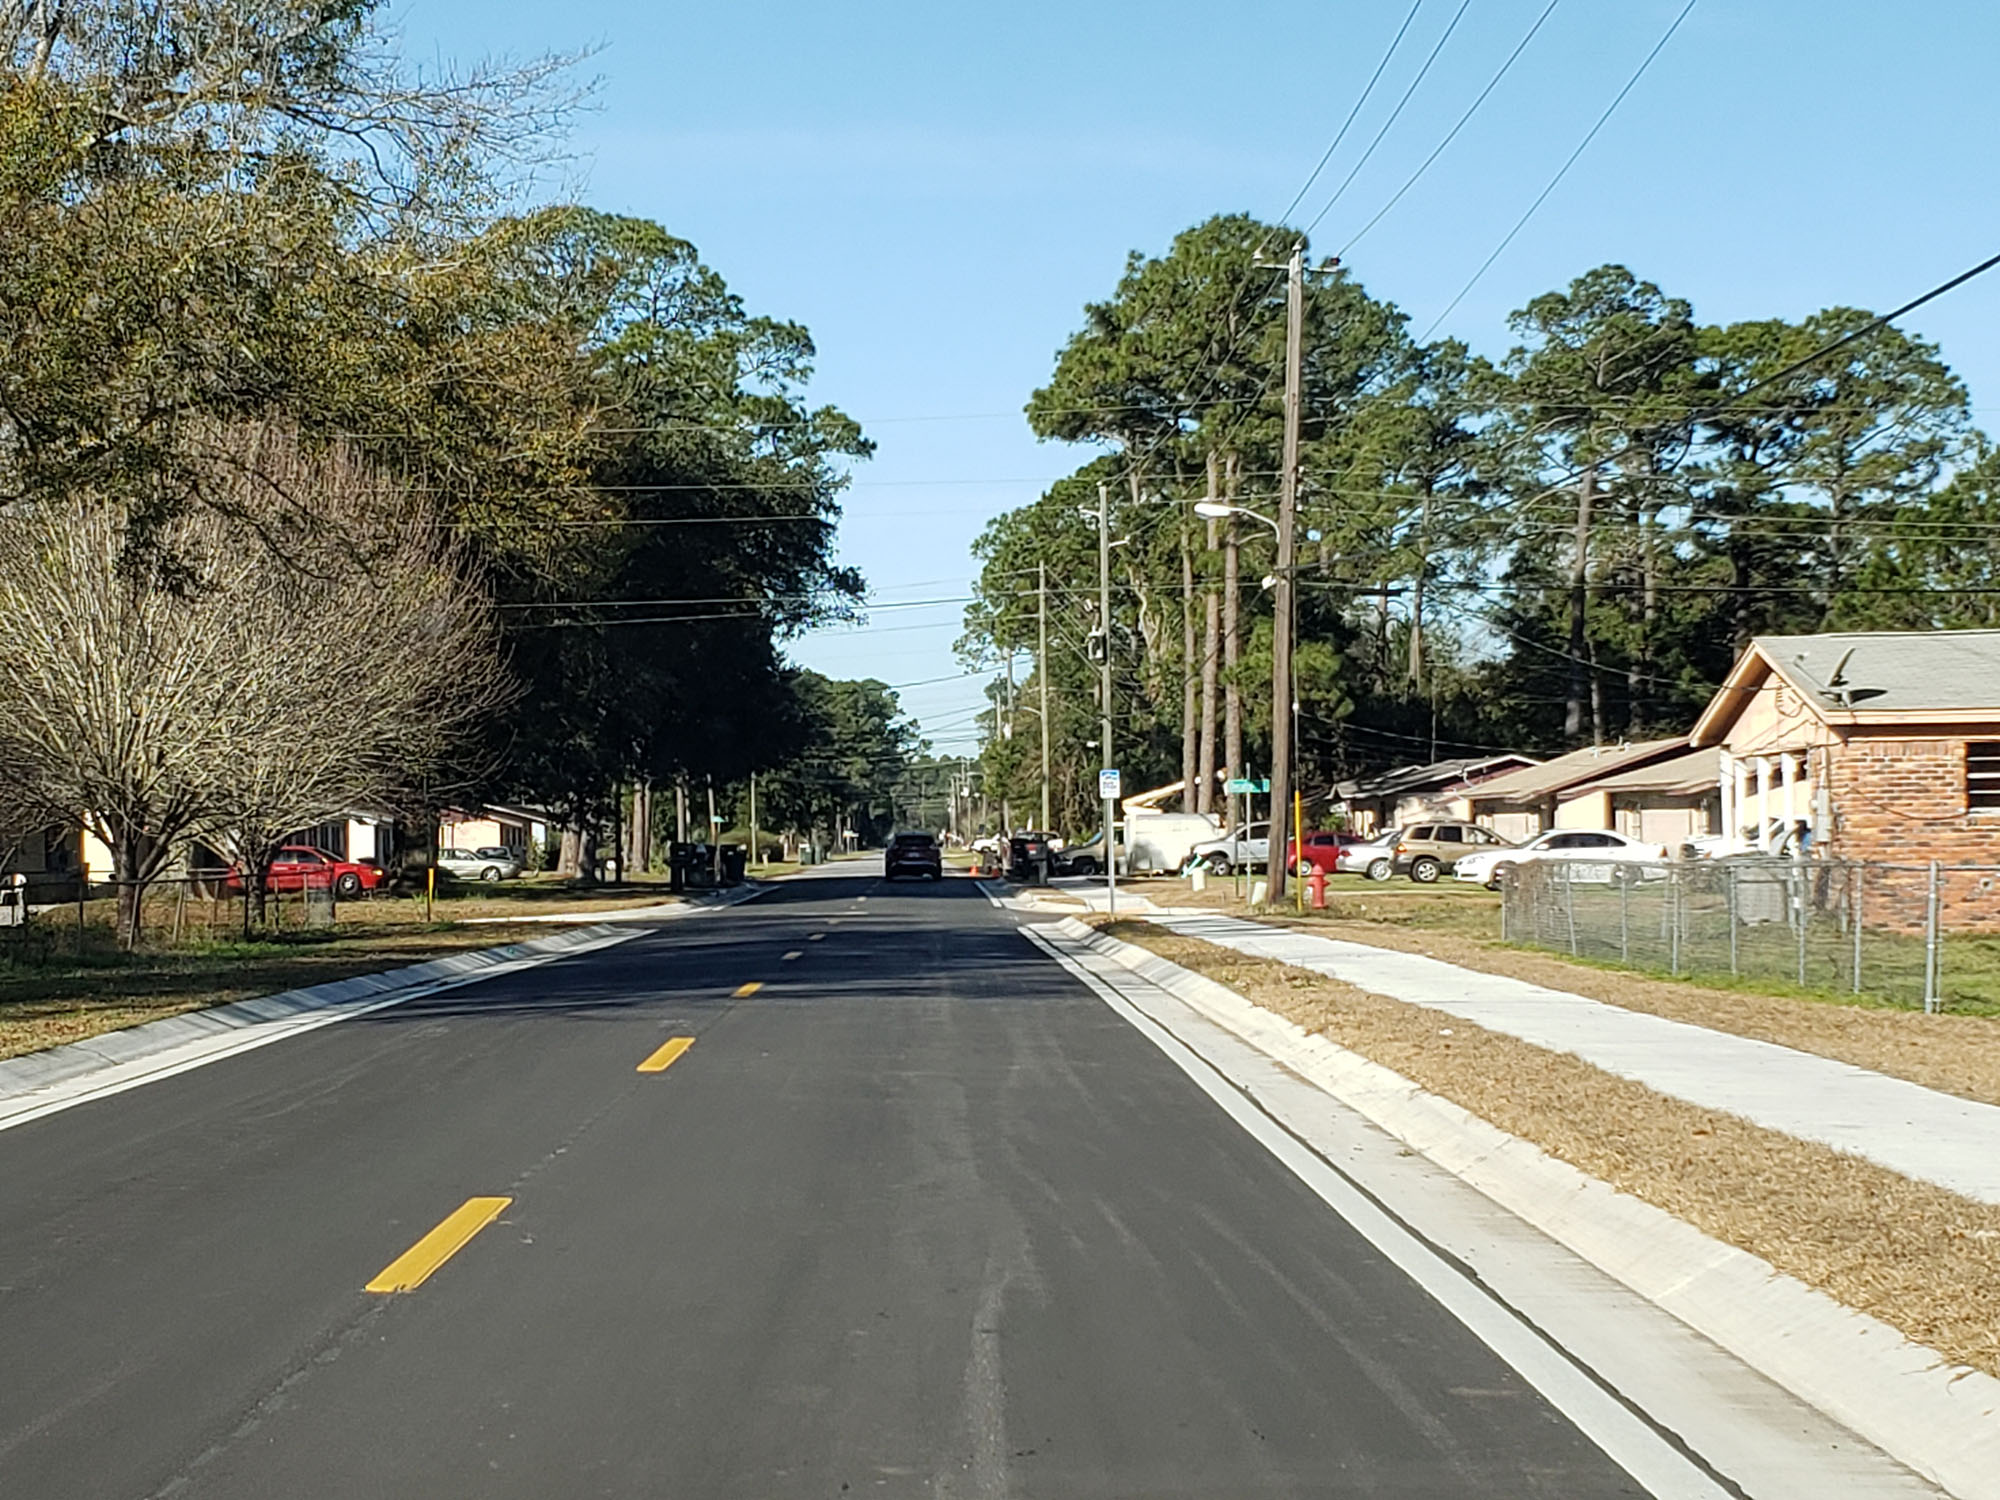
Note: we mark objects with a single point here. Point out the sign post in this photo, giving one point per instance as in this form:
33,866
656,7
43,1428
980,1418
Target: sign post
1108,792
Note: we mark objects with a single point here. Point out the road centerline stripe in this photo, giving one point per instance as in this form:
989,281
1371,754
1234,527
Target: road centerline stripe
414,1266
742,991
795,953
814,937
662,1057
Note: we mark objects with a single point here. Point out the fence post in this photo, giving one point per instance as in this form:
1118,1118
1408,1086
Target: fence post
1803,911
1933,940
1624,923
1569,908
1729,893
1674,915
1506,897
1860,872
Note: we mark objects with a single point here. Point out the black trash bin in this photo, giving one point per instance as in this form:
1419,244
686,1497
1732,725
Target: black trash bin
734,858
680,859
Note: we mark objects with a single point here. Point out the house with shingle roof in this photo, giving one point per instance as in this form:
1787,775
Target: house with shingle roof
1884,745
1570,792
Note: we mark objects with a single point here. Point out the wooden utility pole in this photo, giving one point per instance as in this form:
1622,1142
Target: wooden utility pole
1582,678
1104,679
1283,694
754,861
1211,634
1042,671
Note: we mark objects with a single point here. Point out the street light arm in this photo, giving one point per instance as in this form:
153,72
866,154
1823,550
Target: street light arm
1213,510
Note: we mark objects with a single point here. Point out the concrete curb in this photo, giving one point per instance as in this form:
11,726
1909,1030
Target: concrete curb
39,1083
1939,1419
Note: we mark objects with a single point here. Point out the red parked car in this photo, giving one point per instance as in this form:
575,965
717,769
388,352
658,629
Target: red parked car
299,865
1322,849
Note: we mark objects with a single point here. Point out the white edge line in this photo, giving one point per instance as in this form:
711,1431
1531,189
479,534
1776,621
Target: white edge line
1629,1442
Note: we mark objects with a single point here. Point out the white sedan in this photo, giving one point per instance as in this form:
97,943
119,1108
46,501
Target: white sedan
1595,853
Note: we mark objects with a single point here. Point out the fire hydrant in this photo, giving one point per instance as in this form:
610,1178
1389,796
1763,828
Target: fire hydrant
1316,886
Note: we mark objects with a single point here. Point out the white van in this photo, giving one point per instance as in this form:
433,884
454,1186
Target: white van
1162,840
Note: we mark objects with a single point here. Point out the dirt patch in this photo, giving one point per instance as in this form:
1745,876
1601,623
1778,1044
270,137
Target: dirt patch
1919,1258
1954,1054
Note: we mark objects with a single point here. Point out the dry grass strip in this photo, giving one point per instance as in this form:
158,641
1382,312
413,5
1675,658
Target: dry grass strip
1953,1054
1921,1259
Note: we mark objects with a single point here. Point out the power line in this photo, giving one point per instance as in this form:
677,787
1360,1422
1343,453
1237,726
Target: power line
1452,134
1561,172
1341,134
1393,116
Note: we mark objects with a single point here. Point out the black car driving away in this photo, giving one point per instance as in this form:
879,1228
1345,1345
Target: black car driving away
913,854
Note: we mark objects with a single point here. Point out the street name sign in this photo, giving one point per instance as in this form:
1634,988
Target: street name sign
1107,786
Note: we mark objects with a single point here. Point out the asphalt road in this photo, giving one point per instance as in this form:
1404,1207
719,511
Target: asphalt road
920,1216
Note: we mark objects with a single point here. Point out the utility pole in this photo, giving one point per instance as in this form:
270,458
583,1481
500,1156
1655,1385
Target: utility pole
1042,671
1104,679
754,860
1006,808
1283,698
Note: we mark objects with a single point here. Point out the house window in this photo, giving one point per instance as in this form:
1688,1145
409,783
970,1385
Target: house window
1982,776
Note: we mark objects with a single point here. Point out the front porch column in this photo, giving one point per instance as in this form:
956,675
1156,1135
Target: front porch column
1740,803
1763,839
1726,785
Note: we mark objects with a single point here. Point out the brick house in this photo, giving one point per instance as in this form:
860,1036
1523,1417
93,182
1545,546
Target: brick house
1880,745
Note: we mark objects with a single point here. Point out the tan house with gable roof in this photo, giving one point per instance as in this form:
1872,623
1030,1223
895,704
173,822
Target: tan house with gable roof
1884,745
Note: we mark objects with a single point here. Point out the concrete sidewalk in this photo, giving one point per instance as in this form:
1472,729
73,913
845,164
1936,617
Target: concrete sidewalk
1919,1132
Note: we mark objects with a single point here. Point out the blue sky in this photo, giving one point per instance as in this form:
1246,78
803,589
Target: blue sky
936,190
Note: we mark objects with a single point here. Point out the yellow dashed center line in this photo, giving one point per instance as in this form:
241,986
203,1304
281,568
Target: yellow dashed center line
795,953
814,937
663,1058
743,990
413,1267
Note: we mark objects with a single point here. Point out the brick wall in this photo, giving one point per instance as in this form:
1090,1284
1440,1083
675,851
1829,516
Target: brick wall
1902,802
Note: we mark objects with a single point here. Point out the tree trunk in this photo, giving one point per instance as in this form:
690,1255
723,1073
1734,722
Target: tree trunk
1639,678
256,883
133,865
1232,627
586,852
1582,680
1417,581
572,845
1190,685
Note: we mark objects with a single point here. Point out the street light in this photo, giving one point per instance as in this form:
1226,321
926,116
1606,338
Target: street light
1217,510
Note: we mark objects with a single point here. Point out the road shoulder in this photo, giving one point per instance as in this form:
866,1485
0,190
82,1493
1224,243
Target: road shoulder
1858,1374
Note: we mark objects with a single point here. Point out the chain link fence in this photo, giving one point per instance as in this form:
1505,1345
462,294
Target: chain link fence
58,918
1919,935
